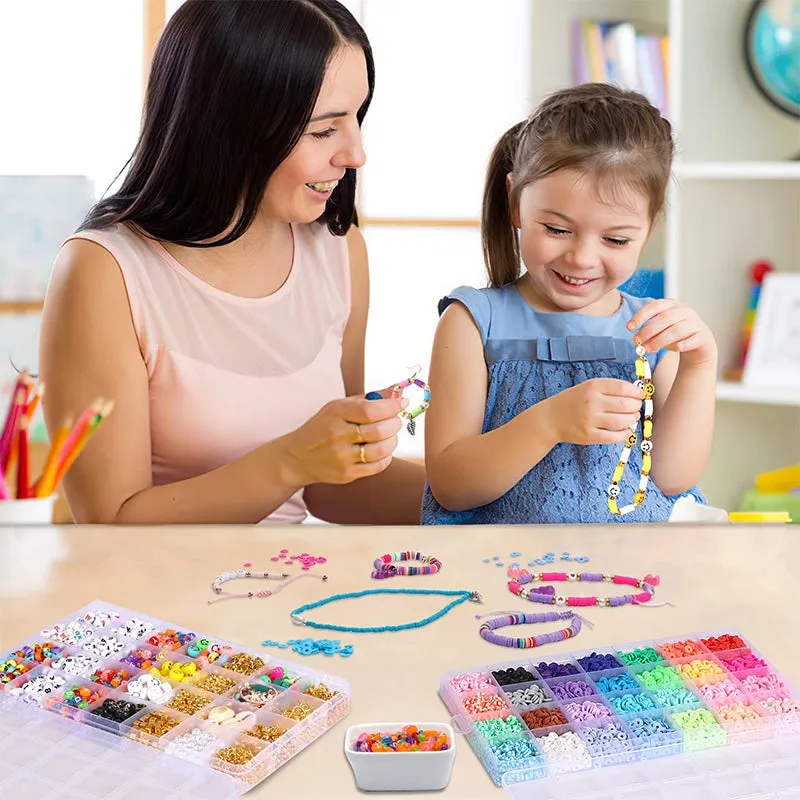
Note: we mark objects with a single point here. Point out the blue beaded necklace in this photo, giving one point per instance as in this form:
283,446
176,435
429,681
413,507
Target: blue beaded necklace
460,596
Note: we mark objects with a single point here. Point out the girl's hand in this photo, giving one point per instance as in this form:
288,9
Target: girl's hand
669,325
346,440
597,411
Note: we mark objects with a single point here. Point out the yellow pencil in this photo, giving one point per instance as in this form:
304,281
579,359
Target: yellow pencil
45,484
94,423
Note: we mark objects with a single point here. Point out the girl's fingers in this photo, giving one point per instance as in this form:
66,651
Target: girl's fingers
617,422
649,311
622,405
611,437
671,336
659,324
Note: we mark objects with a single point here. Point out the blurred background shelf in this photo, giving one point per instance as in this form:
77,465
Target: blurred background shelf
739,170
20,306
763,395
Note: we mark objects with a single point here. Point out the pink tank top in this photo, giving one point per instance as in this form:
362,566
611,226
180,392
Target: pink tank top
229,373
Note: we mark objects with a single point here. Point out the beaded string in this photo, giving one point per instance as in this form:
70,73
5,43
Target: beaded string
643,381
216,584
384,567
411,415
486,630
460,597
547,595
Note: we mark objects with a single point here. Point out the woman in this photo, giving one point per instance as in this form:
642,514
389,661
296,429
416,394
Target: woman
219,297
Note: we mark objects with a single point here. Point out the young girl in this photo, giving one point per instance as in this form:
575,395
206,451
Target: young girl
533,378
219,297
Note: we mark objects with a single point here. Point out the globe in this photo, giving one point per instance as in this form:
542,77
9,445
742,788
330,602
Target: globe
772,48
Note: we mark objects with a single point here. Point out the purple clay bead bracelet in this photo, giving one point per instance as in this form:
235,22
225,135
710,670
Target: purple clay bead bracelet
486,631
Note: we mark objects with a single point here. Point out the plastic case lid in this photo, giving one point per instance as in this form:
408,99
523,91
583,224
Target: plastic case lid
47,757
765,770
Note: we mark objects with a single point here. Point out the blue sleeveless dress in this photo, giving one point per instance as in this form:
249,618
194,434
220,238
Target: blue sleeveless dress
532,355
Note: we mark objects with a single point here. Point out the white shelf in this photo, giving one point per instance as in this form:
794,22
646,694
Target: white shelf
739,170
766,395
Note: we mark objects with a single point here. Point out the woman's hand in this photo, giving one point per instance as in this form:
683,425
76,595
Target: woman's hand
346,440
669,325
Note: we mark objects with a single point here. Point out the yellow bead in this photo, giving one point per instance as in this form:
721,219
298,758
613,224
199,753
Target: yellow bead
638,498
631,440
612,505
618,473
639,368
189,669
646,462
649,389
648,428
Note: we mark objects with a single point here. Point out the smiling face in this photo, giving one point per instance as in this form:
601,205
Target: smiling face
301,186
578,245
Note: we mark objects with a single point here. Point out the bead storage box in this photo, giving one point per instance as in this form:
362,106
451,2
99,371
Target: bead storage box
83,714
678,715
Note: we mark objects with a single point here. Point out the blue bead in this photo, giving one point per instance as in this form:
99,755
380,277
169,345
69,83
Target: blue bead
374,396
283,646
486,560
515,554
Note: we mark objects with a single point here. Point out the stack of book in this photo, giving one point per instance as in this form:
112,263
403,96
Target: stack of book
624,54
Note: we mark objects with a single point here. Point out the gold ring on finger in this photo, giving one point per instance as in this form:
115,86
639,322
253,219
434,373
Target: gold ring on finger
359,435
361,454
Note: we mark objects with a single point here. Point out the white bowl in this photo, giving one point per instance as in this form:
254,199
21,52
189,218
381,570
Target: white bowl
400,772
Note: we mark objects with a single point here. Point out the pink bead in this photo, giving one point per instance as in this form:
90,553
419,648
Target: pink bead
275,558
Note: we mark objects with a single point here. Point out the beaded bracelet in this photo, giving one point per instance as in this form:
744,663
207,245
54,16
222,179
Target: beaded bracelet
385,569
547,595
643,381
486,631
411,415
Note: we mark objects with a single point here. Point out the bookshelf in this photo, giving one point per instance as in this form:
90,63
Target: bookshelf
735,200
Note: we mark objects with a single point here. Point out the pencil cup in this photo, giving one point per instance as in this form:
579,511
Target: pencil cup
34,511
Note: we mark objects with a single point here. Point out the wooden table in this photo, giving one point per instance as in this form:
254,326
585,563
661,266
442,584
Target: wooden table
717,577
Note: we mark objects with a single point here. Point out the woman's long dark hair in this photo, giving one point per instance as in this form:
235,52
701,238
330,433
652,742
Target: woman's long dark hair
232,88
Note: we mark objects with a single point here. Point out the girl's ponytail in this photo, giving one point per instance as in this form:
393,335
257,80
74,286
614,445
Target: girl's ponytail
498,231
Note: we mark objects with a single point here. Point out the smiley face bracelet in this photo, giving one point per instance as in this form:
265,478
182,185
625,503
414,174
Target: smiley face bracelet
643,381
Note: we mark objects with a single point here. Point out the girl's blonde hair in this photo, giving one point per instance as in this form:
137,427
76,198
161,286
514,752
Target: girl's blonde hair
615,136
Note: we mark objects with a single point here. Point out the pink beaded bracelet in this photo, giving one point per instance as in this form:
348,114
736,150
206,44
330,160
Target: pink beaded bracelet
384,568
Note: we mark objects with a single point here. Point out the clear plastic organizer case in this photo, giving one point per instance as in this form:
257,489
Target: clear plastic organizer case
54,745
719,724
